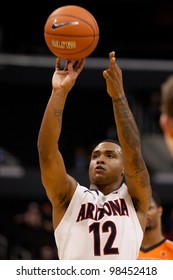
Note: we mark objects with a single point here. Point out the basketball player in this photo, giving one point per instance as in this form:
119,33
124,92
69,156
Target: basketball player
106,221
166,117
154,244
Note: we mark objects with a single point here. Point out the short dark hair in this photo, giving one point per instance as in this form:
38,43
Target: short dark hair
111,141
106,140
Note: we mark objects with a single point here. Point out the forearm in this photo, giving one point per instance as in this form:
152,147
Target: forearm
52,122
128,133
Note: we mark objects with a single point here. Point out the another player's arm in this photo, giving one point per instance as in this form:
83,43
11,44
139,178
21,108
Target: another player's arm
136,173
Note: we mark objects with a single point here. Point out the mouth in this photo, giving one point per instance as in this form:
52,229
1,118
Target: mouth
99,167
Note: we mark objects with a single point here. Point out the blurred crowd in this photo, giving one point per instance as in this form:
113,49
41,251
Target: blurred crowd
29,235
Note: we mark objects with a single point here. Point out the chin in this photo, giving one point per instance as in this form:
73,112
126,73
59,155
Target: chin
148,227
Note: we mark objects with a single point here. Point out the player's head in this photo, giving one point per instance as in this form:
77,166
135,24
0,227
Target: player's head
167,97
154,213
166,116
106,164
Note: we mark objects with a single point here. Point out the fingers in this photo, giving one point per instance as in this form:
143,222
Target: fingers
76,64
79,63
113,67
58,60
105,74
61,64
68,65
111,55
112,60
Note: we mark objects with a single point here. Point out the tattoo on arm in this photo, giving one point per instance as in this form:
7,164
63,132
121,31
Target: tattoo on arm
58,115
126,120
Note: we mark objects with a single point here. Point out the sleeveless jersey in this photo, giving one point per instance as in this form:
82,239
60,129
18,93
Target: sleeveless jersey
97,226
160,251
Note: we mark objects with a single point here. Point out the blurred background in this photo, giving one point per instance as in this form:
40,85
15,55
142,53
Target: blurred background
141,33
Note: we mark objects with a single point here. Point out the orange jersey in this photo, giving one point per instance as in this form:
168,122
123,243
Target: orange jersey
160,251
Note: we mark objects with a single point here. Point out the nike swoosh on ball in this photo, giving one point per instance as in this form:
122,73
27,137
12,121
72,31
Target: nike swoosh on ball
58,25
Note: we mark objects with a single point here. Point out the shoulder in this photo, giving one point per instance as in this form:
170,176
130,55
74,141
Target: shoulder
169,243
123,189
82,190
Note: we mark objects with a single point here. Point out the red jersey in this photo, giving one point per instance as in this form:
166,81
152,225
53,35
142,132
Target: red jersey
160,251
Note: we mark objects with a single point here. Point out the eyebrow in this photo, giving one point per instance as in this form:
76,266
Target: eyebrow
105,151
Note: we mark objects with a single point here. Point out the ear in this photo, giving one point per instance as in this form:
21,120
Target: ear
160,211
164,123
171,127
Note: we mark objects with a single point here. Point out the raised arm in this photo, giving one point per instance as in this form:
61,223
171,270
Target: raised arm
136,173
58,184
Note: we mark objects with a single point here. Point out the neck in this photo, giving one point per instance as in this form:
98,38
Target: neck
105,189
152,237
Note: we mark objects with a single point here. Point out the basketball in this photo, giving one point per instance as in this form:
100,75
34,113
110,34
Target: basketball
71,32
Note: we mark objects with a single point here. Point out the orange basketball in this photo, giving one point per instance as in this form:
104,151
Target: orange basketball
71,32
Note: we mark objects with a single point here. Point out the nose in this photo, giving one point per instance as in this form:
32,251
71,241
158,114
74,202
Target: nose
100,160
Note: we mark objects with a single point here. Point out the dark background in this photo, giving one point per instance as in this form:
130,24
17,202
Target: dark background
134,28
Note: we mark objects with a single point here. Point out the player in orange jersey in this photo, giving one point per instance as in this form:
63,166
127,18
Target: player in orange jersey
154,245
166,117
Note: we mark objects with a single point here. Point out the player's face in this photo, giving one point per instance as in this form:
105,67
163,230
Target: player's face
153,215
166,124
106,165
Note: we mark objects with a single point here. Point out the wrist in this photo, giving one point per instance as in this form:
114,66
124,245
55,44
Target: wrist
118,99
